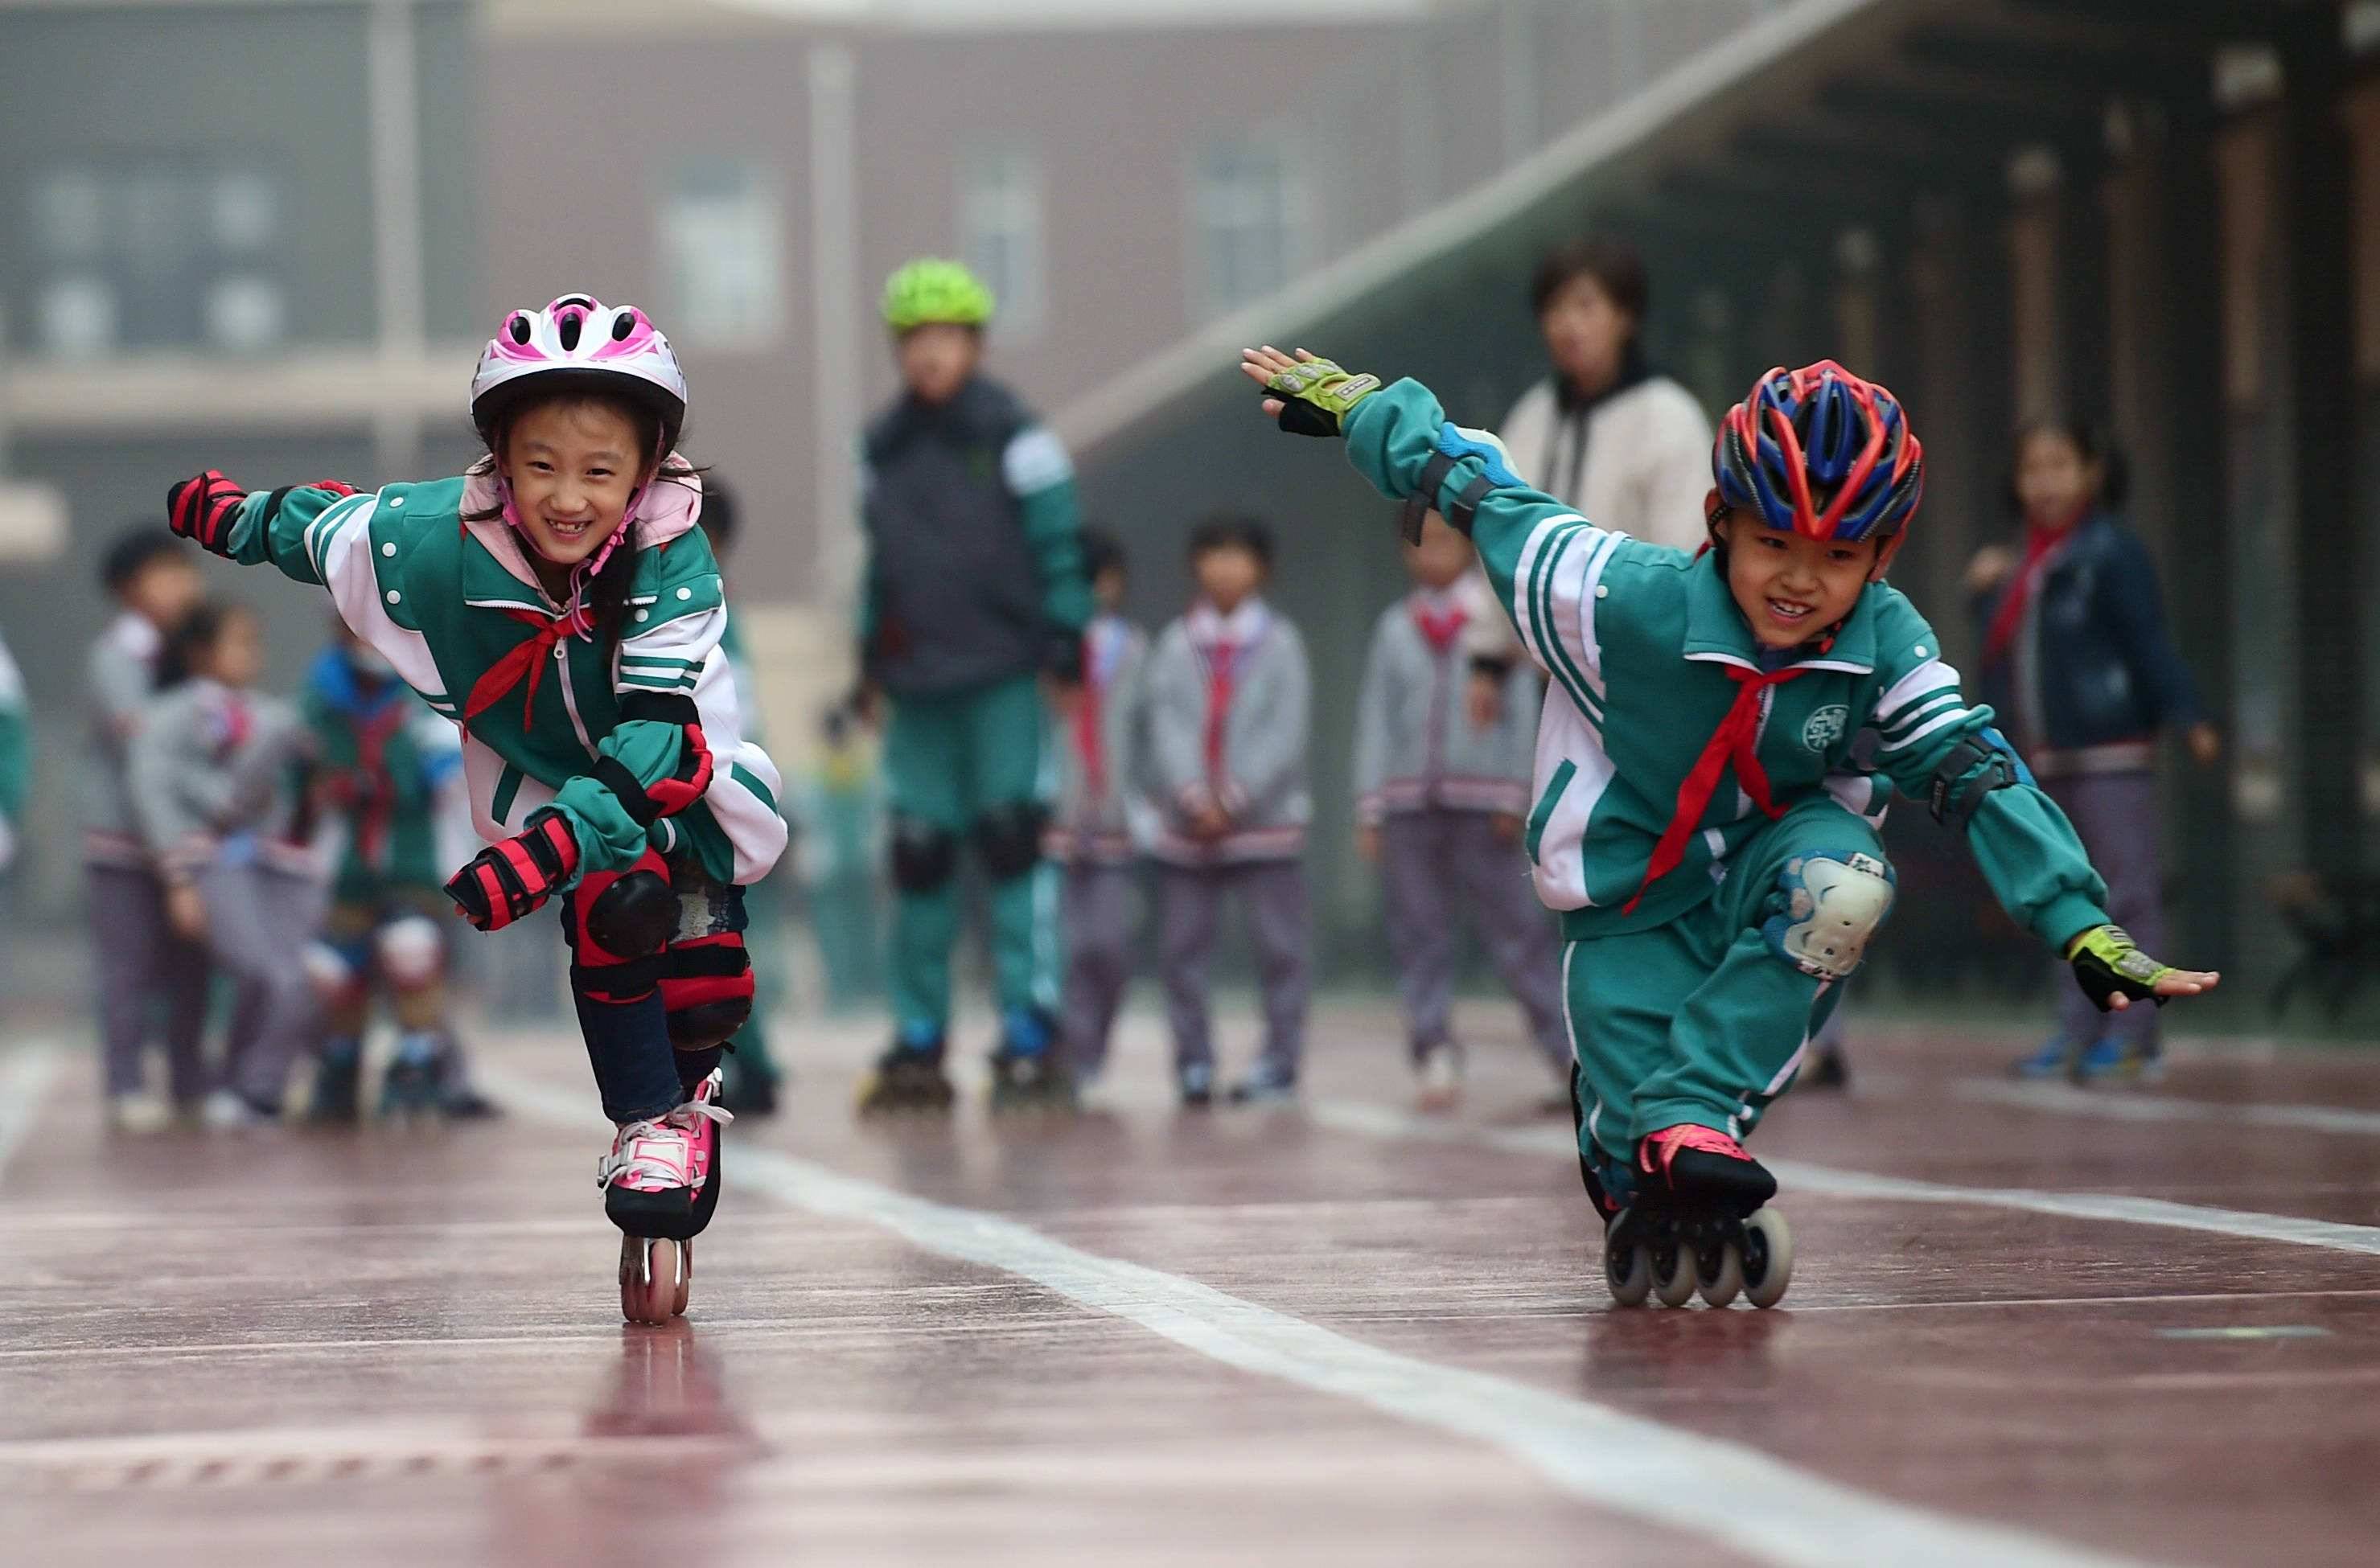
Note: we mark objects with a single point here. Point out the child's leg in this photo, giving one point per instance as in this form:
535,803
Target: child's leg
2116,815
1804,898
1004,740
129,939
246,916
706,973
923,746
1096,901
1415,878
1623,991
1185,941
1279,920
620,1010
1520,935
181,977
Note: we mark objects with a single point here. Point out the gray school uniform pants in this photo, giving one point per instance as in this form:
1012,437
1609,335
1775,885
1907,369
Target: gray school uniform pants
1438,866
147,979
258,922
1280,931
1096,908
2116,815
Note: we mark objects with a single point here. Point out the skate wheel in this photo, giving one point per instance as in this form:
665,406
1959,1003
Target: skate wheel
1720,1275
685,1278
1768,1258
1628,1270
1673,1273
650,1275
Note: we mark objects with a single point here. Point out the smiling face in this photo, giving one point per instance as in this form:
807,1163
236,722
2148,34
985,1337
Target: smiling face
1791,588
572,463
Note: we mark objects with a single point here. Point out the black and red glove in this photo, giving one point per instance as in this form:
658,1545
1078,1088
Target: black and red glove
201,509
505,881
685,783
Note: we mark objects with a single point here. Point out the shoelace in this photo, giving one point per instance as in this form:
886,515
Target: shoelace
1668,1142
626,1157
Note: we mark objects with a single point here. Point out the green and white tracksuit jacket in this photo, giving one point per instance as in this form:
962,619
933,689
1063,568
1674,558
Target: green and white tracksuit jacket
1638,638
447,601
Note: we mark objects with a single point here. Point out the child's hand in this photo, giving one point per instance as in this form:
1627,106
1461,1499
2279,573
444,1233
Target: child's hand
1368,843
1506,826
186,911
1313,396
2115,973
1209,822
1483,698
1989,568
2205,745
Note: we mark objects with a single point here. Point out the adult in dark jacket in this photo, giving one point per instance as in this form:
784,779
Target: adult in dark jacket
2080,666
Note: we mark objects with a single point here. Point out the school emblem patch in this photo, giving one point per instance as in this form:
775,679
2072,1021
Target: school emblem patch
1825,727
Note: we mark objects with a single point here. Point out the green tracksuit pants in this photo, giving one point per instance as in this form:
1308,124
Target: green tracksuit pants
1701,1020
959,765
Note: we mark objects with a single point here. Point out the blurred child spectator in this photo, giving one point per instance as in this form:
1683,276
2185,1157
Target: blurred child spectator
842,813
1092,838
752,1074
1440,806
387,773
146,975
1228,697
211,792
2079,665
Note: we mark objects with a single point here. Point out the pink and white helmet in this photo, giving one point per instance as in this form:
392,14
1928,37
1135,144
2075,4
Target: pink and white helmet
579,341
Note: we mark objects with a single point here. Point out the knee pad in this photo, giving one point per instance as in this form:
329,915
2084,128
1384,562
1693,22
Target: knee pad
1833,905
411,952
923,856
631,915
1010,839
706,985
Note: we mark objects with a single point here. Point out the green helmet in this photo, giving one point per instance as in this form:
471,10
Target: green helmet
934,290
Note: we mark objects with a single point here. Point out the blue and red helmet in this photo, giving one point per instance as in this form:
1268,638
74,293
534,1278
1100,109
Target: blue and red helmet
1821,453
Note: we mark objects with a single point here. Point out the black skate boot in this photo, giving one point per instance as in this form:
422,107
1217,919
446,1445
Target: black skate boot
337,1097
411,1088
1696,1220
907,1079
1028,1072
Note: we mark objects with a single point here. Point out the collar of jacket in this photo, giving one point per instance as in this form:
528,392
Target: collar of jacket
1635,371
1715,630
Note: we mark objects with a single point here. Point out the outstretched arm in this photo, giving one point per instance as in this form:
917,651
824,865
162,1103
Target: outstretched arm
1541,558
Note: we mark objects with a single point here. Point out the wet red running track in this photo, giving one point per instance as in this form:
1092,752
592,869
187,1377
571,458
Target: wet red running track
2027,1327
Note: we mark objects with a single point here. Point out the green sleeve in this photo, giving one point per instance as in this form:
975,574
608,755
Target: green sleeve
287,528
15,760
1391,438
1929,733
1041,477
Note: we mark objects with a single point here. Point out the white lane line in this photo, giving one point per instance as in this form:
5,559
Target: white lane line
2131,1106
1381,1121
1710,1489
25,1079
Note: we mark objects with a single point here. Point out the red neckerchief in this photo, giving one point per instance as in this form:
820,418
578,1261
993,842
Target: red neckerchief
2038,542
1731,742
373,733
1086,721
527,659
1438,627
1221,658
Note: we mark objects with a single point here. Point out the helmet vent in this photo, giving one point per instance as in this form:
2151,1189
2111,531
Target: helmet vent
519,329
621,325
567,330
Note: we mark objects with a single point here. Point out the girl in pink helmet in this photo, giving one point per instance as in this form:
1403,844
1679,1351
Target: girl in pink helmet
558,603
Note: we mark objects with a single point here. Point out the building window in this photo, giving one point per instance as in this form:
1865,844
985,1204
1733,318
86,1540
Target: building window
999,235
154,256
1247,210
722,253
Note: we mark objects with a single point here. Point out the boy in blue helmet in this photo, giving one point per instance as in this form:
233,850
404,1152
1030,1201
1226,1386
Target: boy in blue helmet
1710,923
